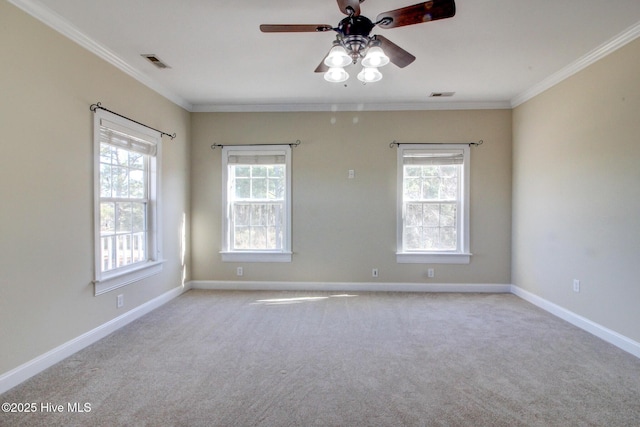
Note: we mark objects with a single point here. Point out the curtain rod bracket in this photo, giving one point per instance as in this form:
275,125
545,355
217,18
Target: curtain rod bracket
291,144
98,105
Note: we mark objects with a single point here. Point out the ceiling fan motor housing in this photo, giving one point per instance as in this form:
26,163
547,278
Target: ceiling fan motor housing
356,26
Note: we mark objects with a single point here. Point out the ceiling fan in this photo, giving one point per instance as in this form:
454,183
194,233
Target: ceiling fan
353,40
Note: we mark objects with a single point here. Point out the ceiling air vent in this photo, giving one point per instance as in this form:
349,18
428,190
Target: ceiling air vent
440,94
155,60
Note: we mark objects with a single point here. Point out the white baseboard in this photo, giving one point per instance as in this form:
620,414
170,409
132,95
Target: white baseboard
606,334
25,371
348,286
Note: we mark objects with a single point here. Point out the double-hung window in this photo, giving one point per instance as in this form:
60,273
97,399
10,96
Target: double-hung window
433,204
257,203
126,180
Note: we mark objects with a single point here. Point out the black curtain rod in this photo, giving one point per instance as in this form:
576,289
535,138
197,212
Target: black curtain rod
475,144
97,105
291,144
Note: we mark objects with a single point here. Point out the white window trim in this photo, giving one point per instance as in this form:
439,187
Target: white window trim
461,256
110,280
283,255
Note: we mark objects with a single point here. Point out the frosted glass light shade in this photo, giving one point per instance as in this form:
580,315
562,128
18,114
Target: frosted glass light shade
375,58
336,75
369,75
337,57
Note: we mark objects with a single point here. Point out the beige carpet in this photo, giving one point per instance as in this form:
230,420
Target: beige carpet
211,358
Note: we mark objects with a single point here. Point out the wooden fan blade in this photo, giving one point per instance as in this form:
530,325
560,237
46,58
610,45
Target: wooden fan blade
347,6
396,54
418,13
294,28
321,68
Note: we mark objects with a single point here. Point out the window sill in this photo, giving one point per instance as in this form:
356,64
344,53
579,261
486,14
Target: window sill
256,256
113,280
432,258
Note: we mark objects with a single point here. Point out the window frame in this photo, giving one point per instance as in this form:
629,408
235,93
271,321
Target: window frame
105,281
462,254
228,254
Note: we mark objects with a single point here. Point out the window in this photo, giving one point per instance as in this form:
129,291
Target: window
257,208
433,204
126,157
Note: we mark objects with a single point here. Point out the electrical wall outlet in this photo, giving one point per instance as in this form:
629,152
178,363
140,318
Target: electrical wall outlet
120,301
239,271
576,285
374,272
352,173
431,272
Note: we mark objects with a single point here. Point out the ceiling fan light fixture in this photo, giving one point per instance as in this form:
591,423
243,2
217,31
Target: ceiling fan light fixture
375,57
336,75
369,75
337,57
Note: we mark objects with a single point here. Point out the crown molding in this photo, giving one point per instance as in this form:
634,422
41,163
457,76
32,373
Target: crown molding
59,24
598,53
328,107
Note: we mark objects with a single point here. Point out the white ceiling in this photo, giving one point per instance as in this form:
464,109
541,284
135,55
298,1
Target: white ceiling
492,54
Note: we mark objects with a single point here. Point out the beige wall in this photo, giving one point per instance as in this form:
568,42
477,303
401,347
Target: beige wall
576,193
47,84
342,228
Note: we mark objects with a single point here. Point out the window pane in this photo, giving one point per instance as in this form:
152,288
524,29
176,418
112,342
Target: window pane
447,215
257,215
107,218
242,171
274,237
412,188
242,237
138,222
431,188
427,225
431,214
259,171
413,216
106,153
123,250
120,177
258,188
105,180
274,214
447,238
243,188
430,238
108,247
450,188
276,171
413,238
259,237
121,157
123,217
241,214
412,171
139,247
136,160
137,184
